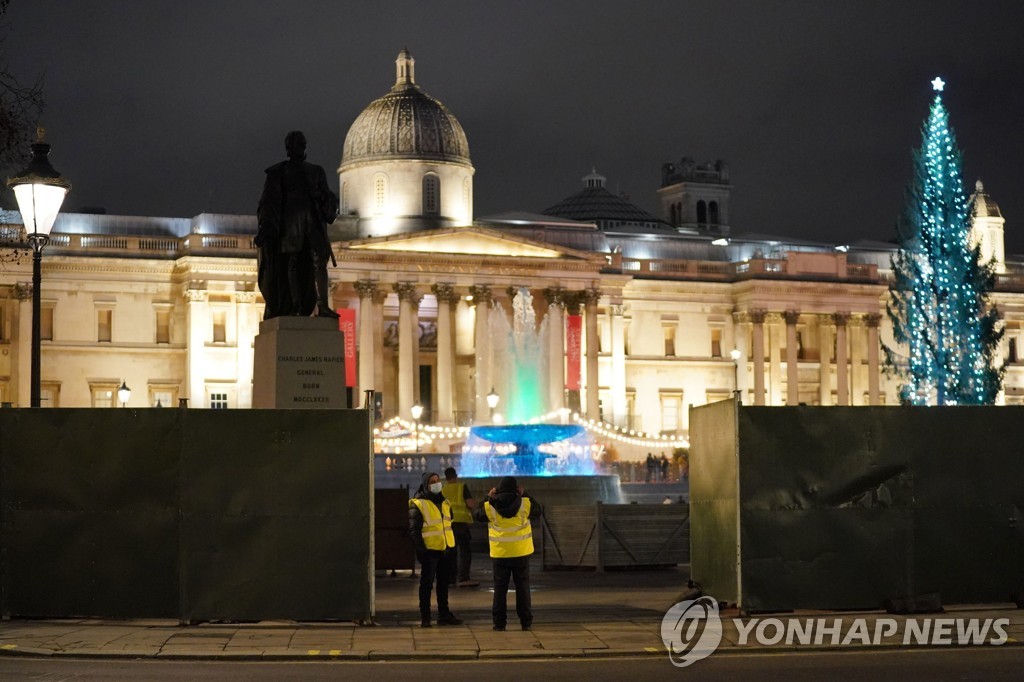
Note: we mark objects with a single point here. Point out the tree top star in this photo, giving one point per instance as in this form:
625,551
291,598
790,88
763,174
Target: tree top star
938,84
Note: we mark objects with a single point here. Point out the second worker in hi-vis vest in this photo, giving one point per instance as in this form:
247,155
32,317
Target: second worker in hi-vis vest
430,527
508,511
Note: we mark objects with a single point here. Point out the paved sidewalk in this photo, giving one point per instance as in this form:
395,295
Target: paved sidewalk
576,615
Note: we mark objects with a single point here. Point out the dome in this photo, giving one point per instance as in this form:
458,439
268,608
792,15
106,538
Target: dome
406,123
984,206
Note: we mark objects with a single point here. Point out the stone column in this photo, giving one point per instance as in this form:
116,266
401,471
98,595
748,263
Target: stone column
555,297
757,317
590,298
618,378
792,359
740,344
855,334
199,331
244,335
842,364
378,297
872,321
447,299
22,369
368,321
825,353
775,331
408,298
482,341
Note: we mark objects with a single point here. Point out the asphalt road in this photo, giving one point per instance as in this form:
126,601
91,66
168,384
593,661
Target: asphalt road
999,663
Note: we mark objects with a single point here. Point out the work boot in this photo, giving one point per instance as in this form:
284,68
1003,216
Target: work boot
449,619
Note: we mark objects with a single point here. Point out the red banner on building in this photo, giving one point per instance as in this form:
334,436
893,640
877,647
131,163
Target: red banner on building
573,339
347,325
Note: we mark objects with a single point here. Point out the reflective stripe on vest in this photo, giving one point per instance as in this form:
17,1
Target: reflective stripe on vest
509,537
437,524
455,493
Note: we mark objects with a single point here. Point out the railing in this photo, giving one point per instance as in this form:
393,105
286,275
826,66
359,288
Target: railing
152,246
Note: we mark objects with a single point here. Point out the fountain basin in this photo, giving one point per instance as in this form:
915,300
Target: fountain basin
527,450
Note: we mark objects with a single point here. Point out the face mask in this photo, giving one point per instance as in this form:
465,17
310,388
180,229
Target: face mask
435,488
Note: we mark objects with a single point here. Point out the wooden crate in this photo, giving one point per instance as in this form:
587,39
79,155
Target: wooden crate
614,535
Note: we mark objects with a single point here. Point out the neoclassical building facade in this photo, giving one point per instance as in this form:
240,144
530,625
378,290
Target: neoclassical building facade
644,314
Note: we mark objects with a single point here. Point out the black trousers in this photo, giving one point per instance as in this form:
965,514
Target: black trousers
519,570
465,552
435,567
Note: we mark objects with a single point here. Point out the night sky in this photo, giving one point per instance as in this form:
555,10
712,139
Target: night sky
175,108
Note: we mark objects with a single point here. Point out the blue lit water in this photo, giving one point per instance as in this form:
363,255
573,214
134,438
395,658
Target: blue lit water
527,450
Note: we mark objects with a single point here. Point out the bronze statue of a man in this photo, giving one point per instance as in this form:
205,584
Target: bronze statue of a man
293,247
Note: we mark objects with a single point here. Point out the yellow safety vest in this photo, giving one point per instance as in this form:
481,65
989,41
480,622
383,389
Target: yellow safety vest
455,493
509,537
437,523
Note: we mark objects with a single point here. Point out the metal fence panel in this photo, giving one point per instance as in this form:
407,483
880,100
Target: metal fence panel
199,514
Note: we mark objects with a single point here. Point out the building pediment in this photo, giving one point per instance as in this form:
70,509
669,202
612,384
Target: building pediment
468,241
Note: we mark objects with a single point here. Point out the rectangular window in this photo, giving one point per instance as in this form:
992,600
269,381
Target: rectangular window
49,395
161,397
46,323
671,411
218,401
163,326
220,325
716,343
104,323
670,340
103,396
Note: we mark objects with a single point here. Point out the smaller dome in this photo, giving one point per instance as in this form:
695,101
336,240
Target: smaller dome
984,205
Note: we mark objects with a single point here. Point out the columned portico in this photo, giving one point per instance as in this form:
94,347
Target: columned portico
842,365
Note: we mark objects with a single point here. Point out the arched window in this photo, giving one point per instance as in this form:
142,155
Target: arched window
673,215
380,193
713,212
702,212
431,194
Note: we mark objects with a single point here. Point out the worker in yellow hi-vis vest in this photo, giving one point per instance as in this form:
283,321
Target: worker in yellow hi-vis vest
430,527
458,495
507,511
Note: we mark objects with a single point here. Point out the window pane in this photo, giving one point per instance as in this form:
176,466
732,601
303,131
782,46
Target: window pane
163,326
46,324
218,401
103,323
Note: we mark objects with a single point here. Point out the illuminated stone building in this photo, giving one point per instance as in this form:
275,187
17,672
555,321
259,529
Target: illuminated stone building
170,305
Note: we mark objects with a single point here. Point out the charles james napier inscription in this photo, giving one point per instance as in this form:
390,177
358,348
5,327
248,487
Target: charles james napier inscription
311,378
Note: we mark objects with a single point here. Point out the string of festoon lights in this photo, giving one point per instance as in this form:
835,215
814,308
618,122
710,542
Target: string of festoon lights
404,437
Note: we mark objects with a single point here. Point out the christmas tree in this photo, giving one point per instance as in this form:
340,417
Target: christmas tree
939,296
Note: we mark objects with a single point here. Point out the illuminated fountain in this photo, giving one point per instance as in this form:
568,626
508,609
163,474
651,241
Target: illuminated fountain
522,448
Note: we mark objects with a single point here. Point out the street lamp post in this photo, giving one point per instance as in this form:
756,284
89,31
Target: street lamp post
492,402
39,190
735,355
124,393
417,412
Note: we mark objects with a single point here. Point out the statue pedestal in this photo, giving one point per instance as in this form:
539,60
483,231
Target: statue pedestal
299,364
